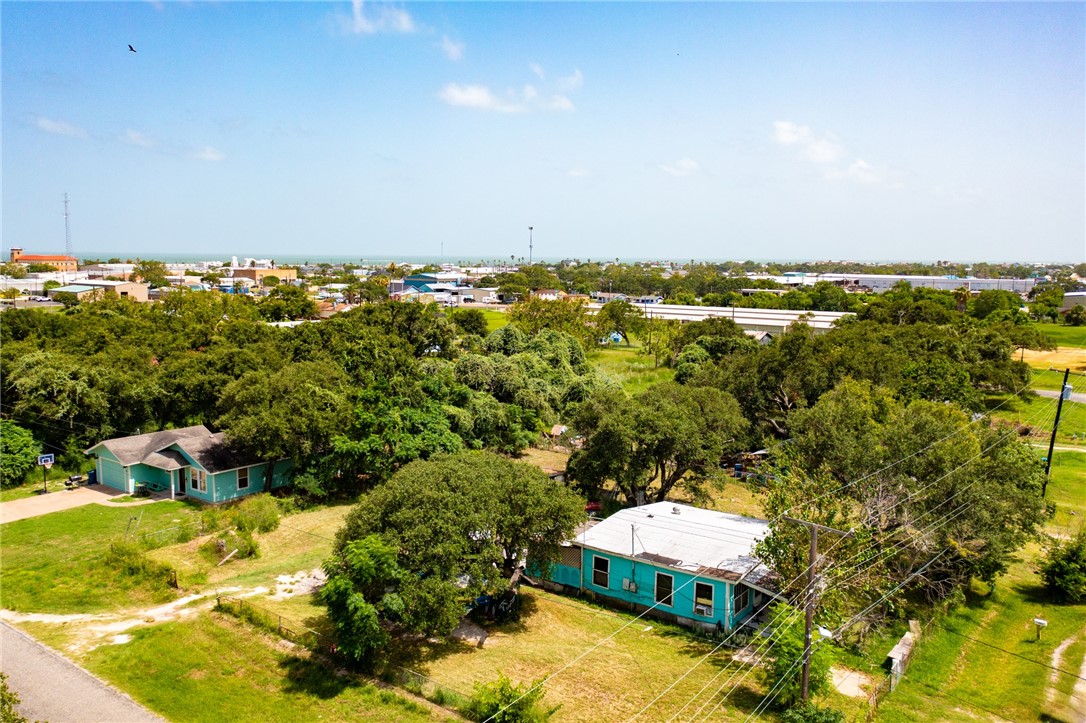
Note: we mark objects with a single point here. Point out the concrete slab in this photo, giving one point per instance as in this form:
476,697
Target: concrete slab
62,500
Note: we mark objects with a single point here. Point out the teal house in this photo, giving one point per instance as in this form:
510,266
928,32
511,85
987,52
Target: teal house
185,463
688,565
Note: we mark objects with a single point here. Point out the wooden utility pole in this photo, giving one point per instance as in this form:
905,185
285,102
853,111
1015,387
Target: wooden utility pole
813,528
1065,393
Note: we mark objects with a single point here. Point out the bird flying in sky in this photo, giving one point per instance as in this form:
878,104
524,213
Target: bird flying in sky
131,48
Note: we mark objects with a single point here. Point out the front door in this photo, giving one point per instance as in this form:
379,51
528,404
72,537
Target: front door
182,479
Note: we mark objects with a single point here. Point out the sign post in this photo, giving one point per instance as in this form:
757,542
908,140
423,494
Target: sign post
45,461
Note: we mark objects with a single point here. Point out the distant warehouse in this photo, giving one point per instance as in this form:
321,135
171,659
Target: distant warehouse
90,289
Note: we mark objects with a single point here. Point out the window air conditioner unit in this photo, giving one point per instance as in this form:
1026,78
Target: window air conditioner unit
705,610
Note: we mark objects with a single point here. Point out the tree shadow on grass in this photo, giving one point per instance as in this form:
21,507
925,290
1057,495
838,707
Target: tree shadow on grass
694,646
1033,593
311,676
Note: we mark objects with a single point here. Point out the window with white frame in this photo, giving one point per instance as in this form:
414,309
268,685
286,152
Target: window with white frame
703,599
199,480
740,597
243,478
601,571
665,586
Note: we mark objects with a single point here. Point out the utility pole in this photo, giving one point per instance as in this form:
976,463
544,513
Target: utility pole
1065,393
67,228
813,528
530,245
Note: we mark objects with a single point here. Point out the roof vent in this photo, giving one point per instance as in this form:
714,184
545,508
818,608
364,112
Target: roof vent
676,511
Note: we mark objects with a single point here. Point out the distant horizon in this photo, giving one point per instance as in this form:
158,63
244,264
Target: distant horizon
294,259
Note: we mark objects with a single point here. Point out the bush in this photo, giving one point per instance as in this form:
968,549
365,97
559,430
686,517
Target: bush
129,559
811,713
226,542
1064,568
782,673
256,514
9,700
504,702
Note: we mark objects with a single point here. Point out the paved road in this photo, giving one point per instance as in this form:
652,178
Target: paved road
1053,394
56,690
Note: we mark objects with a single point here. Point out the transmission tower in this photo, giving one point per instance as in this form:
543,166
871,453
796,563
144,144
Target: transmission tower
67,229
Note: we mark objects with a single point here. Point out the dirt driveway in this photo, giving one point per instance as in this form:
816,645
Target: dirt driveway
62,500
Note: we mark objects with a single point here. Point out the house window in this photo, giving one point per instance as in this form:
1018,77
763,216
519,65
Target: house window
601,568
243,478
703,599
665,584
199,480
740,597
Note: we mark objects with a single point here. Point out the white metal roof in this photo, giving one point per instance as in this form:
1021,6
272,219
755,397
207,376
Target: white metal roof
705,542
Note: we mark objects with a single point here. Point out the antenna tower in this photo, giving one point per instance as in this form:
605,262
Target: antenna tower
67,228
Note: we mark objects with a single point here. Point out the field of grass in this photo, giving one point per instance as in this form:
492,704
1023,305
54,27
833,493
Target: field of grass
33,485
633,371
954,678
53,563
495,319
553,631
1038,414
1065,336
301,542
213,668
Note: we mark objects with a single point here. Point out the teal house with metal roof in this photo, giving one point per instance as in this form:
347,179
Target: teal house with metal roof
190,462
692,566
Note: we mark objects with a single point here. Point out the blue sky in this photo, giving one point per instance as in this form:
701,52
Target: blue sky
677,130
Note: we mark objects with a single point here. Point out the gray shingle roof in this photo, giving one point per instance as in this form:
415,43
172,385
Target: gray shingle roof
209,450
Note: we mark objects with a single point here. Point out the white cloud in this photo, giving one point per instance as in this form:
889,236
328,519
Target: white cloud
135,138
60,128
478,97
859,171
571,82
682,167
788,133
207,153
452,49
826,150
578,173
383,19
537,69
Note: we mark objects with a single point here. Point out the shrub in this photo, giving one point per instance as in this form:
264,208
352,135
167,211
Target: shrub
1064,568
226,542
129,559
504,702
9,700
811,713
782,673
256,514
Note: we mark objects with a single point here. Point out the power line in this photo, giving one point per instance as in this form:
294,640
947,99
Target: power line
1011,652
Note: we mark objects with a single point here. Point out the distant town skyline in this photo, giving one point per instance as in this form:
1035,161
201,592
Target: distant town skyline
679,131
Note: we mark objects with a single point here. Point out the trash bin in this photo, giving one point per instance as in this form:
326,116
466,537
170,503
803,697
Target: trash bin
92,477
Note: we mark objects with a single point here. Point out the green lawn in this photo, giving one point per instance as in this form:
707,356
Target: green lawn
1038,414
633,371
1053,379
33,485
1065,336
495,319
301,542
213,668
612,682
53,563
953,678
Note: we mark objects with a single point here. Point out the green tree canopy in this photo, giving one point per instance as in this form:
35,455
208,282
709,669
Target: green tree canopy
20,453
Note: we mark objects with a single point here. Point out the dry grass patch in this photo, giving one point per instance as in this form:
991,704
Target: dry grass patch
612,682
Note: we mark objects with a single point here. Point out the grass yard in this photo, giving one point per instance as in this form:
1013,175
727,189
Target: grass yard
33,485
633,371
495,319
301,542
613,682
1039,413
1065,336
955,678
214,668
53,563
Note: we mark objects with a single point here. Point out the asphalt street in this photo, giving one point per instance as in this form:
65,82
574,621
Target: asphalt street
53,689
